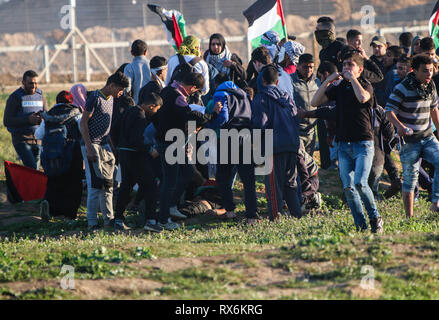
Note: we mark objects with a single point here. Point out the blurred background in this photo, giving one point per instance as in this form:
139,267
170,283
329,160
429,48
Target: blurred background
30,30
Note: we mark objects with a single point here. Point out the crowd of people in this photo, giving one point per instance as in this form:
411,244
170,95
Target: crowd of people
354,108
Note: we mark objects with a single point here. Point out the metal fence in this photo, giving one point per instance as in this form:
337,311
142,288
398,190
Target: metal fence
30,32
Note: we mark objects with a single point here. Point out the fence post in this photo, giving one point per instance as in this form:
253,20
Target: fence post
46,62
87,64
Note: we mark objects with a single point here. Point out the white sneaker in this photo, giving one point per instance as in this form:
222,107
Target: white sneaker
174,213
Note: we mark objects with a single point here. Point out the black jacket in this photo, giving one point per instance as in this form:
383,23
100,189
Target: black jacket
151,87
132,126
331,53
173,116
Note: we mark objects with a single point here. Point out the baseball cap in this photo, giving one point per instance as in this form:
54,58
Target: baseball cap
378,40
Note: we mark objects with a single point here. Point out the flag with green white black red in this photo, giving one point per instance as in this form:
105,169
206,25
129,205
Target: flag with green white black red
173,21
263,16
433,25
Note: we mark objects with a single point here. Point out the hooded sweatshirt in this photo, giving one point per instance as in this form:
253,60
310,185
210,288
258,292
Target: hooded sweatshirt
221,95
275,109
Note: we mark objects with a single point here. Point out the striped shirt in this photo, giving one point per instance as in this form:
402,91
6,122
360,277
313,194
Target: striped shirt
412,110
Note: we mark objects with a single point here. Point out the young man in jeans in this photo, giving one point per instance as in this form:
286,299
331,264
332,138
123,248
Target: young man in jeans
354,133
96,150
411,108
22,117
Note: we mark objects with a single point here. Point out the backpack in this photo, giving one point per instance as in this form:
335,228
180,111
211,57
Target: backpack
61,136
239,107
183,68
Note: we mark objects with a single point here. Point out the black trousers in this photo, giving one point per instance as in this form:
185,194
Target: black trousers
390,167
322,132
377,169
137,168
64,192
281,184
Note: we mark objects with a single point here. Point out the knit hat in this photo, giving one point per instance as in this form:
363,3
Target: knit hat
190,46
64,97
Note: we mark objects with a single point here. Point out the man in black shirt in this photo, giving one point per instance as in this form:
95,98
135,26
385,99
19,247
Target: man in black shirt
354,134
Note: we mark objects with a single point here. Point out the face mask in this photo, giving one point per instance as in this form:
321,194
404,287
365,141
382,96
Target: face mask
324,37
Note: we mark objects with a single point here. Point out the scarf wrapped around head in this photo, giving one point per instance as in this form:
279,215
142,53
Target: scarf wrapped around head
79,93
270,40
324,37
190,46
412,49
293,49
217,60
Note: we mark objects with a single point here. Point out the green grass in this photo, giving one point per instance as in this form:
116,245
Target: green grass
317,257
31,252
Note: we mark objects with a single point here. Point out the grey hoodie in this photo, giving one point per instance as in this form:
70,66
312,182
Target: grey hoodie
303,93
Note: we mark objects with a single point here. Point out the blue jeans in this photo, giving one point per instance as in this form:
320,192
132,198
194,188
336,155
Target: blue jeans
29,154
355,162
410,154
333,151
176,178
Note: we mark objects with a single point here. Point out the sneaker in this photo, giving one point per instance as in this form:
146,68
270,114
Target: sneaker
170,225
317,200
174,213
376,225
435,207
44,211
109,223
395,187
94,227
120,226
153,227
252,221
230,215
314,202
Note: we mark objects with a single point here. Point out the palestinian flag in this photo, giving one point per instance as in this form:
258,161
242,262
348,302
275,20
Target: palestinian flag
433,25
173,21
23,183
263,16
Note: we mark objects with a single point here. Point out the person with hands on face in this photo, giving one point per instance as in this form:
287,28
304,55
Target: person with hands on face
371,72
355,137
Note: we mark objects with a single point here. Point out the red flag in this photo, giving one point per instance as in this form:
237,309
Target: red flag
24,183
178,39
